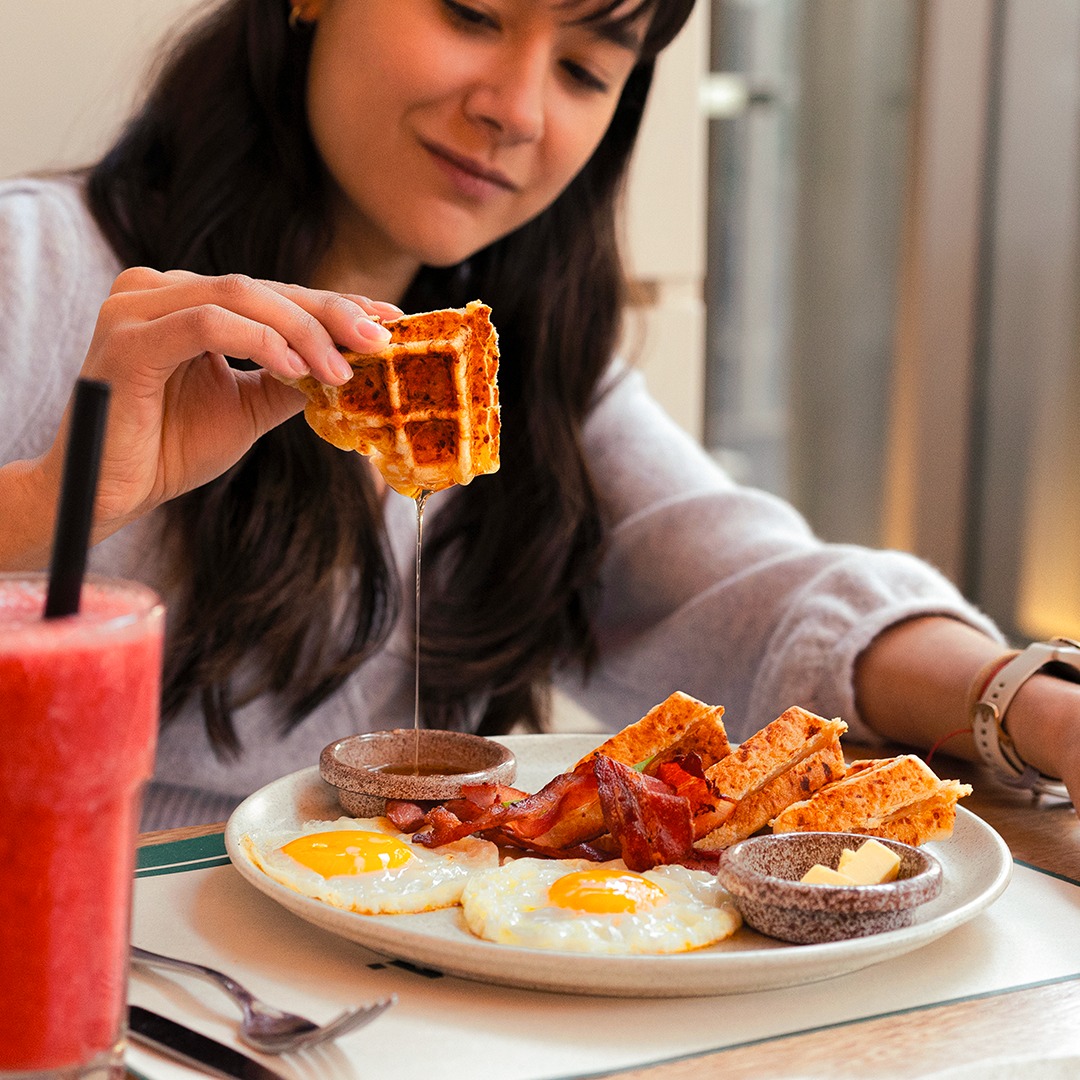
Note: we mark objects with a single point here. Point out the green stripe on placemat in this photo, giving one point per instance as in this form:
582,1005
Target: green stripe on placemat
178,856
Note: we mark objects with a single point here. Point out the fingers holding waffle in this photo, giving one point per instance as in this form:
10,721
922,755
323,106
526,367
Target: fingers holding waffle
425,408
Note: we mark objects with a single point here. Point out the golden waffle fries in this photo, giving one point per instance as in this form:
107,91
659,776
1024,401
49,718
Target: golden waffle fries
784,761
900,798
425,408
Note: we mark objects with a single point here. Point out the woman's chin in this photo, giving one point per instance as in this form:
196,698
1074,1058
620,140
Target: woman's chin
451,253
455,243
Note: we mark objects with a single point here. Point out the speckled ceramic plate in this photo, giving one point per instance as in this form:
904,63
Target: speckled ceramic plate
976,862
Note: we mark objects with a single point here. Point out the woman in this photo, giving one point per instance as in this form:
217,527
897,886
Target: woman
423,152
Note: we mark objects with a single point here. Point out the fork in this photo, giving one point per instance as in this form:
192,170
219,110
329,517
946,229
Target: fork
263,1027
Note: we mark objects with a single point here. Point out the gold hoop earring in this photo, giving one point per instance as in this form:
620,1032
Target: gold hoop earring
303,13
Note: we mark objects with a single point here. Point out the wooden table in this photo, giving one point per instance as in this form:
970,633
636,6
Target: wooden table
1043,1019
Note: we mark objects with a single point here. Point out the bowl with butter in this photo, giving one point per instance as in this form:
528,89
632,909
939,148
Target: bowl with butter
812,887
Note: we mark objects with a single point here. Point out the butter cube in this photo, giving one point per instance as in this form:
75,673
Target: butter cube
872,864
845,857
823,875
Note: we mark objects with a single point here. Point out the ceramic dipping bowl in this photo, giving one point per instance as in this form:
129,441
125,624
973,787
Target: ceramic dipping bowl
762,874
405,764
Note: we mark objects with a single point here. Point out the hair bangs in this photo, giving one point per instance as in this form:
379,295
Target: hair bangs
663,20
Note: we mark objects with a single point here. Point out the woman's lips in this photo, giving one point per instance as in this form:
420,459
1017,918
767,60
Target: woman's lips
471,177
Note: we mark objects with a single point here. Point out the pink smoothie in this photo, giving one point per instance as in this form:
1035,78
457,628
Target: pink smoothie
78,723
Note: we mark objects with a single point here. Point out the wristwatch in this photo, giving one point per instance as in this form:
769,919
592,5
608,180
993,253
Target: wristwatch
1061,656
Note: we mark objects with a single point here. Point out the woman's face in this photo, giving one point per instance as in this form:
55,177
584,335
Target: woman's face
445,124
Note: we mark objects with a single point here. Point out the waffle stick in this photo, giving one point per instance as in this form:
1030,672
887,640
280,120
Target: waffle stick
899,798
680,723
757,808
794,735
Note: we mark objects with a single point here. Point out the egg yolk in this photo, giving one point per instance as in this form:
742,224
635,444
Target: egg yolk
348,851
605,892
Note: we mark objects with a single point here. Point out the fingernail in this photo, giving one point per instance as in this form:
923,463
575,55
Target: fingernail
296,363
340,366
373,333
383,305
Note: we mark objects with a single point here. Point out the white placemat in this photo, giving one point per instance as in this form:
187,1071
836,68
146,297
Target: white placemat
192,903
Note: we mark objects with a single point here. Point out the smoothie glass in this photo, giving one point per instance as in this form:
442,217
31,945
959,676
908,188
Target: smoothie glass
79,701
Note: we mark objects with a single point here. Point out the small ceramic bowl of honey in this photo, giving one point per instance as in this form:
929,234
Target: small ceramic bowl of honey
763,876
419,766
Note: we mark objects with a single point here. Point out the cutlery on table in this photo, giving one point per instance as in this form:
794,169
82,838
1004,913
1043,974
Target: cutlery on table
264,1027
193,1048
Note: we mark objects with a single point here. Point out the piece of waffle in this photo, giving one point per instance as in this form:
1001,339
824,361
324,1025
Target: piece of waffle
900,798
425,408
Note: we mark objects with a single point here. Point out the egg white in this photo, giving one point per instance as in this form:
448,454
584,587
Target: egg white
510,905
429,879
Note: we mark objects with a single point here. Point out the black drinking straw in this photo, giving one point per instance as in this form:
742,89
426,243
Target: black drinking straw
71,538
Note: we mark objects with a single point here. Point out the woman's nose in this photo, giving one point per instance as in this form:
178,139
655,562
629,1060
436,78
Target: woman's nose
510,98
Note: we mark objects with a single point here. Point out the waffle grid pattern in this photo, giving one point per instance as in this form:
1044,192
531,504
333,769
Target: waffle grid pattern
426,408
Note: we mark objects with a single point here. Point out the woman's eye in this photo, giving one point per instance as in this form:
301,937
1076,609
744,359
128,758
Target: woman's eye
469,16
584,77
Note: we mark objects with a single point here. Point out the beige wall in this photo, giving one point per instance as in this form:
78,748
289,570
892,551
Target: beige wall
69,72
667,230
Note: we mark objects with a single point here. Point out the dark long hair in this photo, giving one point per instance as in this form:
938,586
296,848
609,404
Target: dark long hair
276,587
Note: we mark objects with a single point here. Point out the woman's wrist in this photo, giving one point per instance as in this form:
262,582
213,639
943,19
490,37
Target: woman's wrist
29,500
1043,724
912,682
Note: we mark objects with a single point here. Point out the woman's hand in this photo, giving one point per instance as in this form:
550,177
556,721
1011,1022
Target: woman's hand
179,415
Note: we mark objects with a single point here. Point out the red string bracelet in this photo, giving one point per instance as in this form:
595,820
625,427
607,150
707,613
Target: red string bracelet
983,677
944,739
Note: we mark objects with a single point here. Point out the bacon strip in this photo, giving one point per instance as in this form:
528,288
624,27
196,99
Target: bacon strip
708,808
406,816
474,800
602,810
517,821
652,826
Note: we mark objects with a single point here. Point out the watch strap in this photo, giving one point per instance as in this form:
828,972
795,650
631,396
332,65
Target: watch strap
991,735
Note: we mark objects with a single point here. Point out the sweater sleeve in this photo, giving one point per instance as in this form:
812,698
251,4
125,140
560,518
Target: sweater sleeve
723,591
55,270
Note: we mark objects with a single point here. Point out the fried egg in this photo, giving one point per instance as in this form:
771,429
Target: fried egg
602,908
366,865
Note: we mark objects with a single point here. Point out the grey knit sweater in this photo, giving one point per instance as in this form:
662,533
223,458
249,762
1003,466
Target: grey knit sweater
708,587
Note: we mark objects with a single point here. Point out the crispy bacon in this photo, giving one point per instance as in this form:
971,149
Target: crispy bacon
517,821
708,808
485,795
474,801
652,826
406,816
556,801
600,811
